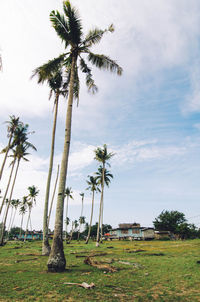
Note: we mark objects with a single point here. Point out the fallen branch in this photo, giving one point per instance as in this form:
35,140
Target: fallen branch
84,284
92,255
100,265
21,260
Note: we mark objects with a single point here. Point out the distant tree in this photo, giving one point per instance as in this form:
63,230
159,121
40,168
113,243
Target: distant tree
187,231
80,218
169,221
68,194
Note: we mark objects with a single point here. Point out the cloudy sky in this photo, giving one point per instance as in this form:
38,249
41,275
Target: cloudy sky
150,116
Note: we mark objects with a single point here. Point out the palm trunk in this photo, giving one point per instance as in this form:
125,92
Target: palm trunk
13,218
20,234
10,197
88,236
54,191
101,240
56,261
66,218
80,220
5,157
29,215
45,246
8,185
100,208
11,215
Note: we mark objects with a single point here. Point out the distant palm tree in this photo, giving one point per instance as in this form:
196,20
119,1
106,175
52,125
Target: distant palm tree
103,177
74,227
82,199
14,205
93,187
69,29
33,192
102,156
12,125
68,194
57,87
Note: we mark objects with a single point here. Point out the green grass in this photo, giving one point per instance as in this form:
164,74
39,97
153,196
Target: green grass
163,271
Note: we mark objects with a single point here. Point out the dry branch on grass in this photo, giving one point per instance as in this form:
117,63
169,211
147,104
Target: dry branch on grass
100,265
84,284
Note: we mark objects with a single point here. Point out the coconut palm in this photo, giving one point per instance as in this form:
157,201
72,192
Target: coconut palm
69,29
31,200
14,205
19,154
57,87
11,127
93,187
68,194
82,199
74,227
103,177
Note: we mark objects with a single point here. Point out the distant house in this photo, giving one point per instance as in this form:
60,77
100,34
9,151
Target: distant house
132,231
163,234
31,236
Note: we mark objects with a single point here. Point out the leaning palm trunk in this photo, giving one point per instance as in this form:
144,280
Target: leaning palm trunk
100,209
6,155
45,246
54,191
8,205
57,260
26,233
8,185
89,231
103,171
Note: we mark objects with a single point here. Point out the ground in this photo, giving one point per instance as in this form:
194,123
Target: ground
142,271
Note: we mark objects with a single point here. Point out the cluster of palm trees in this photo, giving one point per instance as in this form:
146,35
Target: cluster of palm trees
16,149
95,184
62,76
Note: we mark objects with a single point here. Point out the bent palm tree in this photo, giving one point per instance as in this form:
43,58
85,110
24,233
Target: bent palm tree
69,29
56,84
103,177
93,187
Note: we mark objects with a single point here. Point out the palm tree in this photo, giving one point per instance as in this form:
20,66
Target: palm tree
69,29
103,177
82,199
31,200
57,87
74,227
93,187
12,125
19,153
14,205
22,211
68,194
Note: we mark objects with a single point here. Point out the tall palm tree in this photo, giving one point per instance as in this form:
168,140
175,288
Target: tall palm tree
68,194
69,29
12,125
74,227
93,187
31,200
57,87
19,153
103,177
82,199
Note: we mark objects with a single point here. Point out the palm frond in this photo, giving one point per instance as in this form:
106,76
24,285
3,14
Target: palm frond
95,35
89,80
61,27
46,71
104,62
73,23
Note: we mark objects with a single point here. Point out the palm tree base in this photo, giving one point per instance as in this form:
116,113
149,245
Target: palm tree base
56,264
97,244
46,249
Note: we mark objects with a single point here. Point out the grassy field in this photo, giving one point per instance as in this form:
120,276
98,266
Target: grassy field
145,271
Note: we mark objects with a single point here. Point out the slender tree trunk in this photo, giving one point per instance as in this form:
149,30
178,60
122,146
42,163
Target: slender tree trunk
103,171
54,191
8,185
13,218
80,220
45,246
66,218
56,261
100,208
29,215
11,215
5,157
20,234
8,205
88,236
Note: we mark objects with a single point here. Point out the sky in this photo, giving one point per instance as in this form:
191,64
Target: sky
149,117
